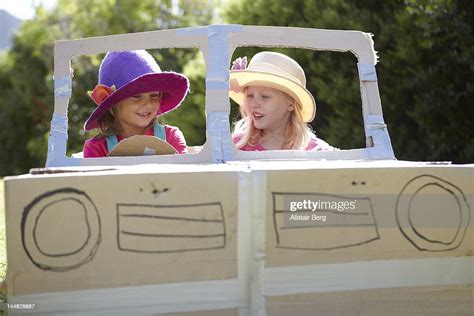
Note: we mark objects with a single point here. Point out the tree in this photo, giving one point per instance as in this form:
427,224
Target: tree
426,53
433,54
26,83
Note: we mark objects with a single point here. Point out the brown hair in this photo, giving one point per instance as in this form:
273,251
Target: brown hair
108,125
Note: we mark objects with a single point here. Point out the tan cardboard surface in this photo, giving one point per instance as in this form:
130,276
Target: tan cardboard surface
140,145
222,312
107,229
429,300
371,230
162,224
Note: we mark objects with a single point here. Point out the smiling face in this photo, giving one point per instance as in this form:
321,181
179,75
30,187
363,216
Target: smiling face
136,113
270,109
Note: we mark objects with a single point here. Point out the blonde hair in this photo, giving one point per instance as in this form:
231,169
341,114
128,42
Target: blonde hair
297,133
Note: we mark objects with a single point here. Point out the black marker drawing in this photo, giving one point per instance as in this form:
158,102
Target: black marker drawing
157,192
74,248
170,228
405,209
320,235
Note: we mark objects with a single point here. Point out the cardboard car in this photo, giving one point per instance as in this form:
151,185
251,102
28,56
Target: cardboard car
227,232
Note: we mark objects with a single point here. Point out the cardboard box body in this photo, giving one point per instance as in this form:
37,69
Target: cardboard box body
216,237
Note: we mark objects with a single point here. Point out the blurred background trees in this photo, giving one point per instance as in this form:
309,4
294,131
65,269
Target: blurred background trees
426,53
425,48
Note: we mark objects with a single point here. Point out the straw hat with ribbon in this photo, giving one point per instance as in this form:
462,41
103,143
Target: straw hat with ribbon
274,70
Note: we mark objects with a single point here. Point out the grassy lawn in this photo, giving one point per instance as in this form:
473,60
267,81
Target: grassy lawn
3,257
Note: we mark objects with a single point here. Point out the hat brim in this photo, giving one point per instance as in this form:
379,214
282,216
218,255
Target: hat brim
239,79
173,85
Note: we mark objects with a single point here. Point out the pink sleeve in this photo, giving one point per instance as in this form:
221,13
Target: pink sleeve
95,147
318,144
236,138
175,138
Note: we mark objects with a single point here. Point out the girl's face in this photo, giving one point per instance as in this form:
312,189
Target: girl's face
270,109
136,113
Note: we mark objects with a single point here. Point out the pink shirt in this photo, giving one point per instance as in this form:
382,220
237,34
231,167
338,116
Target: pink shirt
97,146
314,144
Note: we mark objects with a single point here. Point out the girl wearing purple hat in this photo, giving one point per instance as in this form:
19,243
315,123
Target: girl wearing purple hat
131,93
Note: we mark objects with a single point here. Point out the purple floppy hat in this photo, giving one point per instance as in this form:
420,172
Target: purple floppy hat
127,73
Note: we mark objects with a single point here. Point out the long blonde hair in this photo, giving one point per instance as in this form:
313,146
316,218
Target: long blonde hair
297,133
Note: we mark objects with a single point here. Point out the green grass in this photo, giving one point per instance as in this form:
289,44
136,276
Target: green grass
3,252
3,257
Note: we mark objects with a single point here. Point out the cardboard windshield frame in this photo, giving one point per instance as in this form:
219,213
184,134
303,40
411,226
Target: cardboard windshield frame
217,42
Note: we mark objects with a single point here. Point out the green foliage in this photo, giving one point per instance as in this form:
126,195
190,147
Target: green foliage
26,82
190,116
426,50
24,109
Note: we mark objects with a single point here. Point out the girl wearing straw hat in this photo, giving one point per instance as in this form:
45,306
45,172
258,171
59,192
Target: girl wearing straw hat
131,93
274,104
